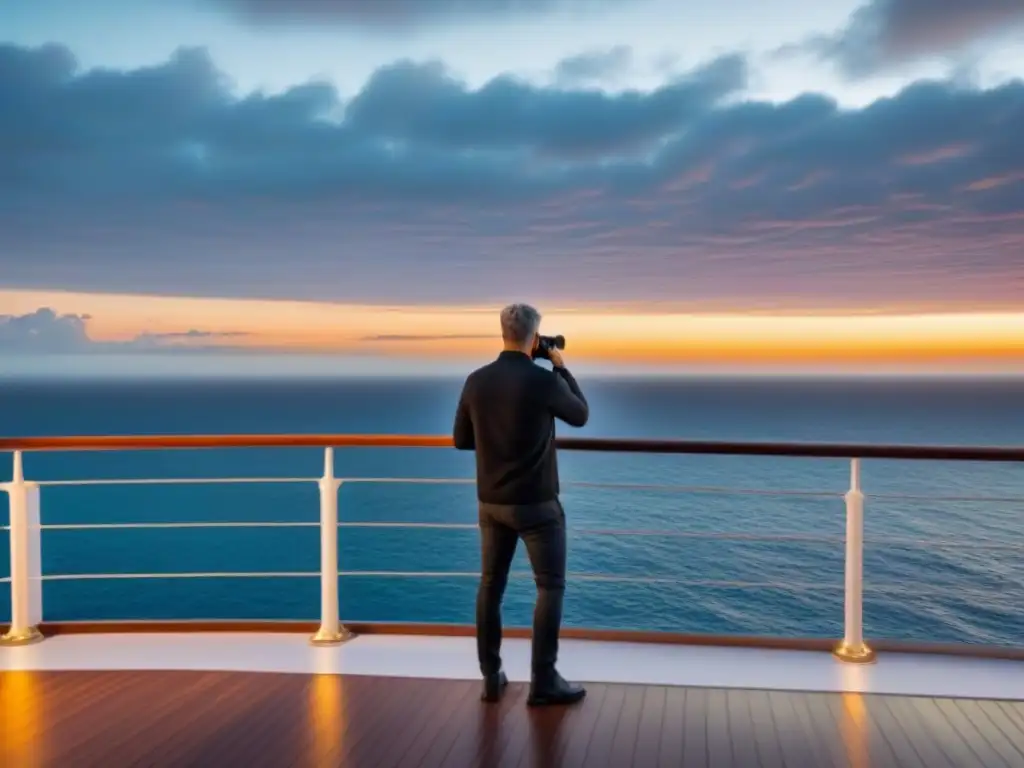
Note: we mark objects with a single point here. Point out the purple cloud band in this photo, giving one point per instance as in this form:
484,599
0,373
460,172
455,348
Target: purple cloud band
399,15
883,34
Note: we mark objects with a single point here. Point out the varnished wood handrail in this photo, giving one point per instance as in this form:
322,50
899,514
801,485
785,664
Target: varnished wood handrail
149,442
590,444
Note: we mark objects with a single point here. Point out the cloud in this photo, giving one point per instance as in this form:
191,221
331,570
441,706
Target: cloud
889,33
44,330
399,15
420,188
416,105
594,66
196,334
429,337
47,331
176,131
190,340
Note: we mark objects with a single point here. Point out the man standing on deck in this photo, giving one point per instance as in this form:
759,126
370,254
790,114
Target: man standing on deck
506,414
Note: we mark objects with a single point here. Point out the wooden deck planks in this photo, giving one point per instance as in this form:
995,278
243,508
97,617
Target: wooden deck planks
212,718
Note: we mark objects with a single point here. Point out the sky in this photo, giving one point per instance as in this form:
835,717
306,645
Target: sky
747,185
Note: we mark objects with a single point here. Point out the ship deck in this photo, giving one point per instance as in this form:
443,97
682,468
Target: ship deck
261,699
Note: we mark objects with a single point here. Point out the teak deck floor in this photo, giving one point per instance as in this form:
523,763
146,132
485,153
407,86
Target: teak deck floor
121,719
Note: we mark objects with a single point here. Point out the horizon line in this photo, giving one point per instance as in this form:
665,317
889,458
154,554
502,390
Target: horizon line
636,306
32,377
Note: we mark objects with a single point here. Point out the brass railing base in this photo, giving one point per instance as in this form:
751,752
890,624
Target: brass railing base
30,636
854,655
322,638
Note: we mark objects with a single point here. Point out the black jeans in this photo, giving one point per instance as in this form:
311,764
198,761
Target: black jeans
542,529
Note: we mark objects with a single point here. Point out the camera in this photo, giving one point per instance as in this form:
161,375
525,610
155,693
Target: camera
545,344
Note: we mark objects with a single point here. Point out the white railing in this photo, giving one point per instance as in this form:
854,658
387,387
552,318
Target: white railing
26,576
853,647
26,559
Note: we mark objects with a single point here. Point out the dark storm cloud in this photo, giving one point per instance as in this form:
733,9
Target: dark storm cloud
47,331
163,180
887,33
398,15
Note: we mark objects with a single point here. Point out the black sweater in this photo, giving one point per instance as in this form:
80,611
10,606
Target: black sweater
506,414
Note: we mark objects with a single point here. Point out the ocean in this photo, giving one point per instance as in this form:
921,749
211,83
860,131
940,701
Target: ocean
713,544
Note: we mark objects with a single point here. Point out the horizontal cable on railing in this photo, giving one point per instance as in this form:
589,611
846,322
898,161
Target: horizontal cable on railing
413,525
723,490
727,536
409,480
179,481
606,577
172,575
665,579
666,487
927,497
599,577
939,544
887,541
447,526
615,532
117,526
441,526
662,487
915,590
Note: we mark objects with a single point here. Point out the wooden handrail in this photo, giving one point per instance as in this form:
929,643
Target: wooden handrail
149,442
603,445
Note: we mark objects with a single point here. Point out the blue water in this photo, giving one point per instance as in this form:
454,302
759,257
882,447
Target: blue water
969,587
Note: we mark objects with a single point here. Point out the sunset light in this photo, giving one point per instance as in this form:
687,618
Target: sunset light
972,341
356,353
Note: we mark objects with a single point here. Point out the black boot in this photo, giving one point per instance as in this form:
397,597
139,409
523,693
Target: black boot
552,689
494,686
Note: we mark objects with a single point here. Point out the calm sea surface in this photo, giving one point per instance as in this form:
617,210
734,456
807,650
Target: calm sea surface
936,567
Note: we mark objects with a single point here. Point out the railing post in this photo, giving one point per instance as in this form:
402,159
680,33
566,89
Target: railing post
26,559
853,649
331,631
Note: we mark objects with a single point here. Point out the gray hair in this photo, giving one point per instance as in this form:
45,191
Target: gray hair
519,322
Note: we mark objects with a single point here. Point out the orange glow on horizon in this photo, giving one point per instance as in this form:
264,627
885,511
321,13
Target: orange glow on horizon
737,339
